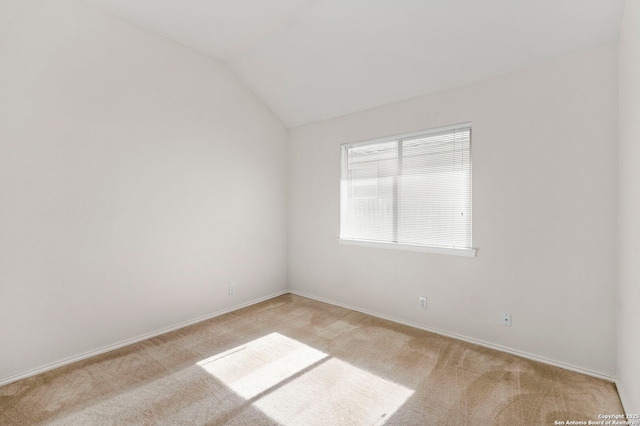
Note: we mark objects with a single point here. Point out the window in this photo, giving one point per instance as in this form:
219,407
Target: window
409,191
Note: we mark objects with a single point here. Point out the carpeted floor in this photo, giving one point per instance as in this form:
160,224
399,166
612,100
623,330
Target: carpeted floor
295,361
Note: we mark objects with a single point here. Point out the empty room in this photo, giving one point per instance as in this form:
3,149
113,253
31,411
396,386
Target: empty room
319,212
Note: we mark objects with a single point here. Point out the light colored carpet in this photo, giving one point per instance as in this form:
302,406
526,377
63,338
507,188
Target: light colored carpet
295,361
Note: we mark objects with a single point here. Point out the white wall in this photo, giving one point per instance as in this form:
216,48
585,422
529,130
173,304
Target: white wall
544,215
629,231
138,178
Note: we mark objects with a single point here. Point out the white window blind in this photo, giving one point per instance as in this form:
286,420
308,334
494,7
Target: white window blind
410,189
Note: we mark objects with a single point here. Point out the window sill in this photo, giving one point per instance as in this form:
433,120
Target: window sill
465,252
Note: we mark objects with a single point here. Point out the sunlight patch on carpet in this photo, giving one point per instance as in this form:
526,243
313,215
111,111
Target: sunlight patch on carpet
257,366
335,393
271,370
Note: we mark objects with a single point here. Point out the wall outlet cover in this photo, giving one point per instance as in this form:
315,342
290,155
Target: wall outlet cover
422,302
505,320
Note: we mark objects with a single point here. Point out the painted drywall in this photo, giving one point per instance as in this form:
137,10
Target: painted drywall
544,215
629,225
138,178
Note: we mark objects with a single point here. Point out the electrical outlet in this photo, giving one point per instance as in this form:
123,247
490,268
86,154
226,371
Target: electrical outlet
506,320
422,302
232,288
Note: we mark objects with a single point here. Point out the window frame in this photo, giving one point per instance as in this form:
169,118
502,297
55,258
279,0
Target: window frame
456,251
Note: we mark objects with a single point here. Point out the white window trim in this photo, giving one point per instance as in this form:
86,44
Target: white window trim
409,135
455,251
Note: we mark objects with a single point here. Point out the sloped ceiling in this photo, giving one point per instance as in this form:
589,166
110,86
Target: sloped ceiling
309,60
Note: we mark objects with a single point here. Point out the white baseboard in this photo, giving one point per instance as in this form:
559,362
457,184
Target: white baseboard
463,338
626,404
33,372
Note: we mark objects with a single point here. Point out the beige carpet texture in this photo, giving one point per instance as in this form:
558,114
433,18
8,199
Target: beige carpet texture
295,361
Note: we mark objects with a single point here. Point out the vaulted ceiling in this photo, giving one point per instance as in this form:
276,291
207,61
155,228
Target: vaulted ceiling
309,60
